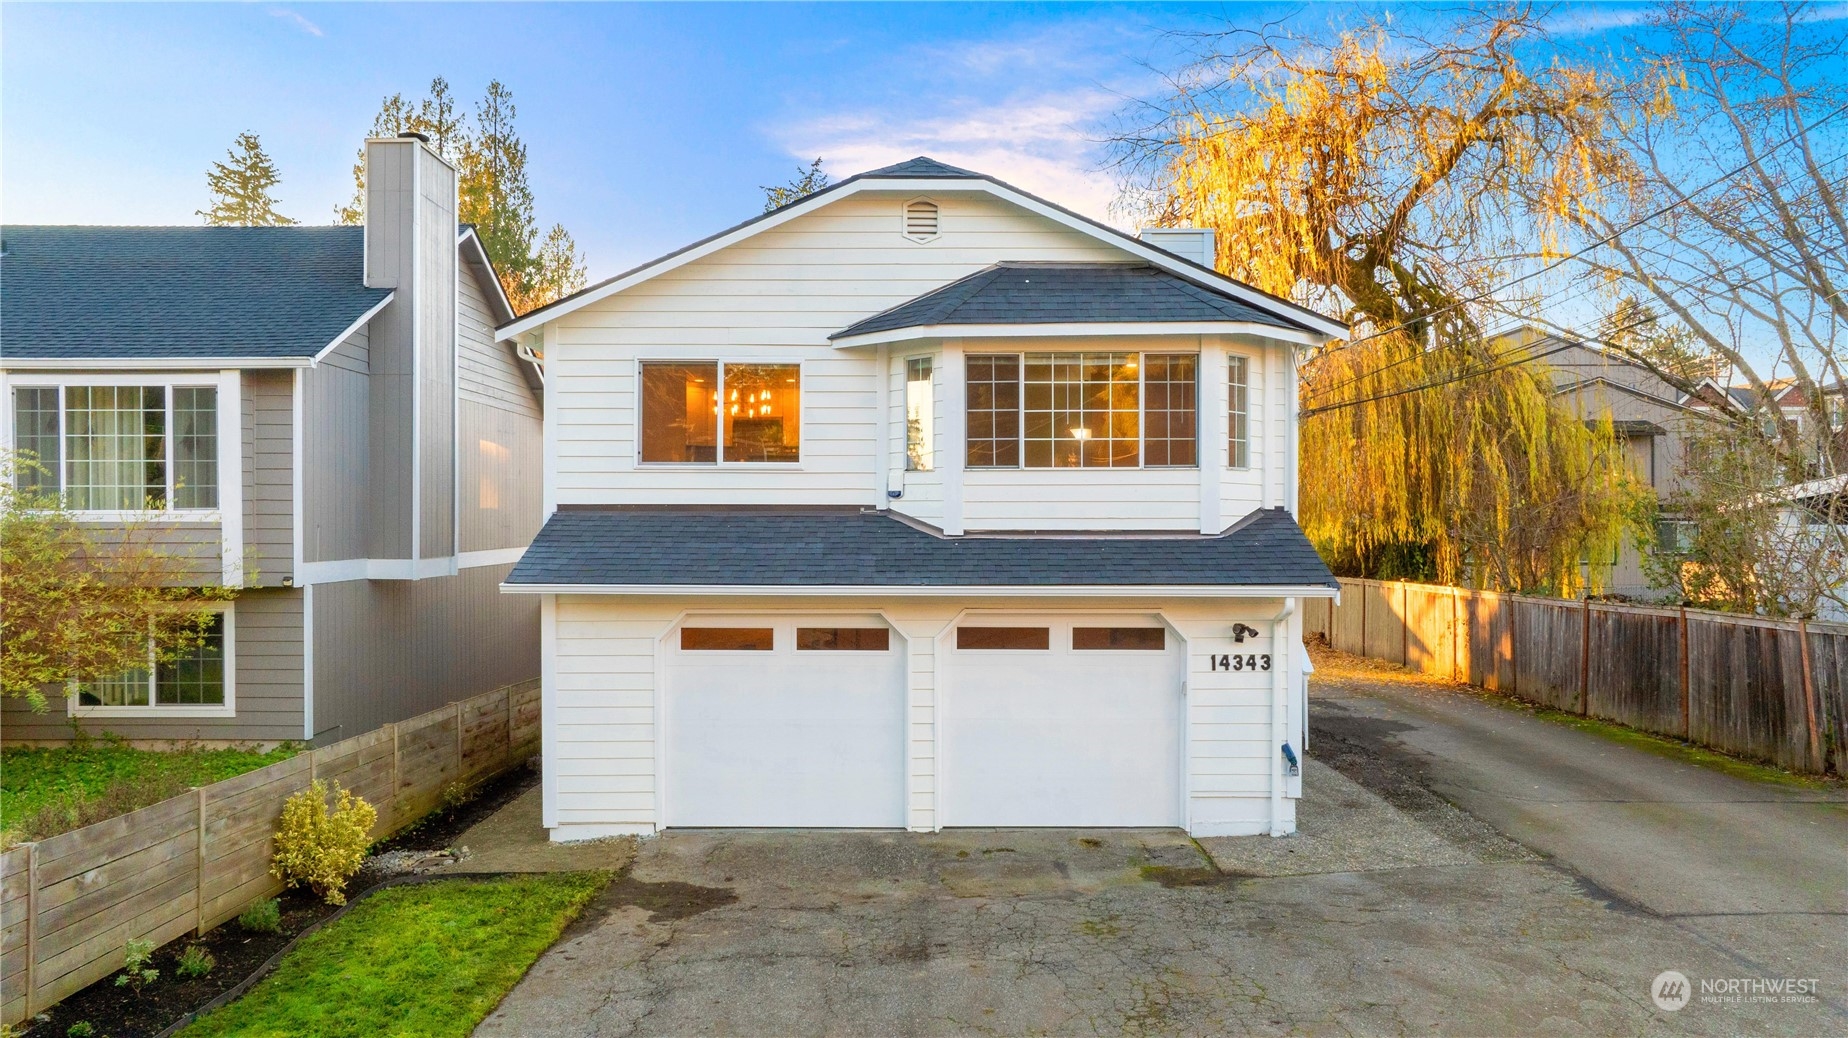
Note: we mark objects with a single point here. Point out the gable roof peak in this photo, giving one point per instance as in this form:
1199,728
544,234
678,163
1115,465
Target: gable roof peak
921,167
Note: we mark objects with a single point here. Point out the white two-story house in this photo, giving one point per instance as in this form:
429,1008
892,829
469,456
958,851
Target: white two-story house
921,502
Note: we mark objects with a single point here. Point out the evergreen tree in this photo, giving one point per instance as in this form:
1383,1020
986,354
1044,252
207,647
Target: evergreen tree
492,190
241,186
807,182
495,195
435,117
557,271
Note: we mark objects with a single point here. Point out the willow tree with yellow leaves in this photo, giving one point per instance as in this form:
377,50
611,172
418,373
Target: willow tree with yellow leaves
1393,179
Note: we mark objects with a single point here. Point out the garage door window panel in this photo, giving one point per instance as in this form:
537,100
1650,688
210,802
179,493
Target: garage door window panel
1003,638
728,639
1123,639
843,639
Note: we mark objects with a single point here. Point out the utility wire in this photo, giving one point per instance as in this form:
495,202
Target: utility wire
1607,239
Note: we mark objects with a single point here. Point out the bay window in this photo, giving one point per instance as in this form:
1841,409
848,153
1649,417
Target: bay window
920,416
120,448
198,677
1082,410
706,412
1238,412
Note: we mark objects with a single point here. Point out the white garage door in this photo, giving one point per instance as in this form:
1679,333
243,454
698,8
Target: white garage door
1071,722
782,723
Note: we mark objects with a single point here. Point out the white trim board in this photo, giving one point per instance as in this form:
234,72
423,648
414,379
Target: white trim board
936,591
1320,329
1076,330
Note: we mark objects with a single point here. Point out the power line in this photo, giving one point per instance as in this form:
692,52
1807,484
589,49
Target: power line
1607,239
1525,358
1322,391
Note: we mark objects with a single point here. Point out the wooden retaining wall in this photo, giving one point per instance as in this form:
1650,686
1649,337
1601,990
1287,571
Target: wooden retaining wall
1773,690
70,904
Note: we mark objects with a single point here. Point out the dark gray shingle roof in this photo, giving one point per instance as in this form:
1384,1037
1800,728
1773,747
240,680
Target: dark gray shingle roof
84,293
1061,293
768,548
922,166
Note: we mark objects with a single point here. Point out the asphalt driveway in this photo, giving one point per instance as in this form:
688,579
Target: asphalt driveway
1394,911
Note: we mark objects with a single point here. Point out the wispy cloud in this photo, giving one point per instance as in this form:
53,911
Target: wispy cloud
1027,109
295,19
1589,20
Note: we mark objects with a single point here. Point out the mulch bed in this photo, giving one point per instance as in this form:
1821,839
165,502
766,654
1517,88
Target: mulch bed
117,1012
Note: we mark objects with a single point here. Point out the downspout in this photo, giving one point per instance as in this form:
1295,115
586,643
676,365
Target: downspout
1280,734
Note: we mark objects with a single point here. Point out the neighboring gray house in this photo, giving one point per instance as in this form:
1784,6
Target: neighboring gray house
320,416
1646,411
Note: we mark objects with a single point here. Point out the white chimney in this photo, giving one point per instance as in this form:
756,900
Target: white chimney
1194,244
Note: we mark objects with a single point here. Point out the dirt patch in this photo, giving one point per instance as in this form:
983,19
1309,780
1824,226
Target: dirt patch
439,830
1175,877
665,901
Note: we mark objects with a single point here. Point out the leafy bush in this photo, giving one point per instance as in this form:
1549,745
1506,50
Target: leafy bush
80,1029
320,848
195,962
136,973
263,916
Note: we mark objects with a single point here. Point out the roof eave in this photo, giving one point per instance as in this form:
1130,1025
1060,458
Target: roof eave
940,590
155,363
1076,329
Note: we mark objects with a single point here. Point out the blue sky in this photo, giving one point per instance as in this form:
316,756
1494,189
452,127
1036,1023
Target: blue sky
648,126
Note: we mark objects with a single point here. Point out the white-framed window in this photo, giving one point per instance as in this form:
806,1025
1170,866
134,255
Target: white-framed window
1238,412
706,412
122,447
1082,410
920,416
200,682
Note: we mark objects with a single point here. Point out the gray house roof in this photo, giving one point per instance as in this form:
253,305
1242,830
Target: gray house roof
143,293
1066,293
677,547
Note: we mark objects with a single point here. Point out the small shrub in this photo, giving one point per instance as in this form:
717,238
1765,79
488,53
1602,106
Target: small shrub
263,916
321,848
455,795
195,962
80,1029
136,973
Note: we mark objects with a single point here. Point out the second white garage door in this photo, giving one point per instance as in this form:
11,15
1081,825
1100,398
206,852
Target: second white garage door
784,723
1072,722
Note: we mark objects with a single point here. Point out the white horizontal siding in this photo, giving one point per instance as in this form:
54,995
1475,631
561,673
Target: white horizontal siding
777,295
1081,499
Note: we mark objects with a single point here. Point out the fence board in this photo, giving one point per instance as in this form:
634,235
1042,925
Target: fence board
69,904
1745,689
1636,668
1547,653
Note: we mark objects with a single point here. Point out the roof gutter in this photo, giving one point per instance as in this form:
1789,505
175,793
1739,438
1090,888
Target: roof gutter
1075,329
939,590
153,363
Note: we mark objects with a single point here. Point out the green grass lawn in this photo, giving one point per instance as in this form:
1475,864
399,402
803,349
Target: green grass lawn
427,959
44,792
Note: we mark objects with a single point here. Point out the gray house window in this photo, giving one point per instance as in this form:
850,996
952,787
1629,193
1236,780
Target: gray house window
198,676
120,448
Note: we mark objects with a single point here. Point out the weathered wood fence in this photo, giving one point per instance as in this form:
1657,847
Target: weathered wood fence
1768,689
70,904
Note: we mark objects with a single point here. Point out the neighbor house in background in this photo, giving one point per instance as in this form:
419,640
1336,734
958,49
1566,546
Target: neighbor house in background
1650,416
319,416
922,502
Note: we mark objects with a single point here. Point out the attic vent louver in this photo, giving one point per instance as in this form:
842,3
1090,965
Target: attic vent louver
920,219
